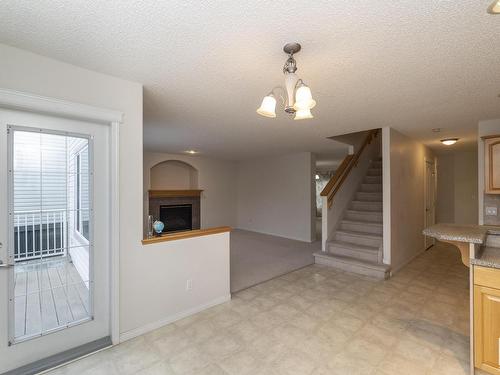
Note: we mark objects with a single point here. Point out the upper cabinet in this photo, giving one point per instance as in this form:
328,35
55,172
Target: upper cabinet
492,164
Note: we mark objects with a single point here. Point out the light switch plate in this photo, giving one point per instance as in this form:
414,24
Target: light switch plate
491,211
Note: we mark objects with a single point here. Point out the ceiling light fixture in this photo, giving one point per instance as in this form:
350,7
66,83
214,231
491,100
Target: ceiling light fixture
299,101
449,141
192,152
494,8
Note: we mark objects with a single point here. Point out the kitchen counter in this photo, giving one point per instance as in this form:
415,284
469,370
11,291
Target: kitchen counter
465,236
460,233
488,257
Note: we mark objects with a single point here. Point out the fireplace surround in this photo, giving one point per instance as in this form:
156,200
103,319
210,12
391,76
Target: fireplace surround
175,203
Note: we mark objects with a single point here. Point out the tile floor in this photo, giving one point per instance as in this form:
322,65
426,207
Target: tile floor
315,321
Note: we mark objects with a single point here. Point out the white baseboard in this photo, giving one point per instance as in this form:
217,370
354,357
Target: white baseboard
173,318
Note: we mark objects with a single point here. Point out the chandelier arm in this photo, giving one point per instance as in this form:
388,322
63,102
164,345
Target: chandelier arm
280,92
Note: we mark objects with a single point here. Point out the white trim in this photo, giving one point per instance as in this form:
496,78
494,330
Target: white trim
115,233
432,162
386,194
11,99
40,104
160,323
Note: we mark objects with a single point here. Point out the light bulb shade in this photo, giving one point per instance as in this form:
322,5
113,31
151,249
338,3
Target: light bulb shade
268,107
449,141
303,98
290,83
303,114
494,8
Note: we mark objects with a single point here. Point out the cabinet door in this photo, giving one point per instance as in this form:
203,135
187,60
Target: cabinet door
486,328
492,165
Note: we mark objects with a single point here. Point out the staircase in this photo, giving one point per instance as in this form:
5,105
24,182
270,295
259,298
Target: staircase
356,245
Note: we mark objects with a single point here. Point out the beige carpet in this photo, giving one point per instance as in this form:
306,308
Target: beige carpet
257,257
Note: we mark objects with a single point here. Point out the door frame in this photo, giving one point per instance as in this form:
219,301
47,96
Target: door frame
432,162
16,100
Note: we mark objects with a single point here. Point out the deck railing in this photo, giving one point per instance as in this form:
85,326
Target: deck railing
39,234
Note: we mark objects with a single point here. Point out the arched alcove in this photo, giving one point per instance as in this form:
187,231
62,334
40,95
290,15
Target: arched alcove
173,175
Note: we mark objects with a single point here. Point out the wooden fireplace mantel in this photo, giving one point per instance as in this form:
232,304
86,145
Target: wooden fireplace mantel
174,193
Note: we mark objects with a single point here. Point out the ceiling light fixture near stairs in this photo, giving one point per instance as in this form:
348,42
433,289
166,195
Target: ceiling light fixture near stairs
296,95
449,141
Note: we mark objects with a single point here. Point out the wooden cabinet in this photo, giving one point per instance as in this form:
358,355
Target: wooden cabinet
492,164
487,319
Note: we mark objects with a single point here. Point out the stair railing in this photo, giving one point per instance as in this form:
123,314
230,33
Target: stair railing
349,162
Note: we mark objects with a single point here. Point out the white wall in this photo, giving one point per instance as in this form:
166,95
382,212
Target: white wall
457,197
276,196
217,179
466,196
407,161
488,127
445,199
161,297
173,175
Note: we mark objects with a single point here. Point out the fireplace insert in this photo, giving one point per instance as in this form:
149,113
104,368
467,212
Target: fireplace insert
177,217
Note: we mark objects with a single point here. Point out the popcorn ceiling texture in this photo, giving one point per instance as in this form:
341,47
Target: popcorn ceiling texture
205,65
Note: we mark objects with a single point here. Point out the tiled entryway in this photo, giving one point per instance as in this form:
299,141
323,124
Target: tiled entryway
315,321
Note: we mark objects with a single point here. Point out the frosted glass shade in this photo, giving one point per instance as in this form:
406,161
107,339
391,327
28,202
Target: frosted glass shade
268,107
495,8
303,114
303,98
449,141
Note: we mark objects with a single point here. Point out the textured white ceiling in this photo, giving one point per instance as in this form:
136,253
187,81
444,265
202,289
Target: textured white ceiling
205,65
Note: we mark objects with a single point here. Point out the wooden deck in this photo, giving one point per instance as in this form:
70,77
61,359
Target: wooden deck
49,294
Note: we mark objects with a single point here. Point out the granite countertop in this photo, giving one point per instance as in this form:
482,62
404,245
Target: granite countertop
488,257
495,230
460,233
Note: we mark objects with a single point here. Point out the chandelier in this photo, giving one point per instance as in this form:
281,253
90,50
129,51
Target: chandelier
296,95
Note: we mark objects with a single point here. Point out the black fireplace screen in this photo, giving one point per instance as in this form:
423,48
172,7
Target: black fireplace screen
177,217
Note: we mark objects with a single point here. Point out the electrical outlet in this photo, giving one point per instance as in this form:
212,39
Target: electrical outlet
491,211
189,284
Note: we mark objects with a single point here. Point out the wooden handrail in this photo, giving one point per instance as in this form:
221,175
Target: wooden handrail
349,162
336,176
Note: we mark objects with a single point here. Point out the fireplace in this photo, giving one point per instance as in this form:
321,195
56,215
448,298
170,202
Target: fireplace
179,210
177,217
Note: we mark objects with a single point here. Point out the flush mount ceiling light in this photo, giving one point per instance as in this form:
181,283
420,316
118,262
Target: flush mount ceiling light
192,152
494,8
296,95
449,141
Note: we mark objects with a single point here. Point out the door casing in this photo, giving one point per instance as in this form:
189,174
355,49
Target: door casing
429,193
20,101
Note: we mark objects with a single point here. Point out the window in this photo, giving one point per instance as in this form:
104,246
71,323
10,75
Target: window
82,192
